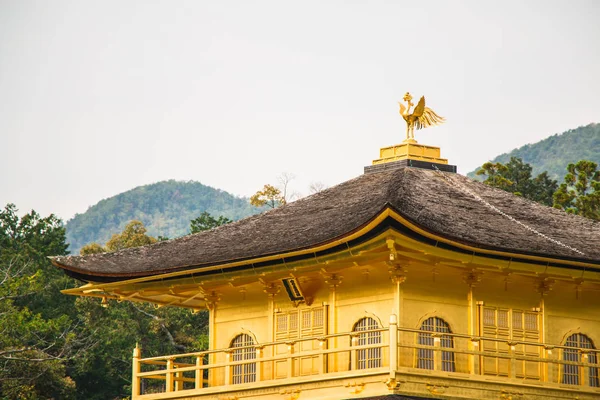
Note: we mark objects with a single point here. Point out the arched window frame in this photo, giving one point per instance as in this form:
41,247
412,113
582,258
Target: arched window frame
425,357
367,358
573,374
243,348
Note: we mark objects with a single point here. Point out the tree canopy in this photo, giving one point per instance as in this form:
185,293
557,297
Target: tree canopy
516,177
556,152
134,235
54,346
206,221
269,196
580,192
120,326
39,333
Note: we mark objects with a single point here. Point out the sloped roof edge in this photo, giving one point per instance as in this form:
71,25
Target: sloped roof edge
387,219
435,204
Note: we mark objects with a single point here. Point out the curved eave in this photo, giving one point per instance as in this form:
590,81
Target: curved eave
327,247
387,219
456,244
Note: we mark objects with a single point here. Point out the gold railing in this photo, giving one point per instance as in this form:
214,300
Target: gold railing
390,350
204,369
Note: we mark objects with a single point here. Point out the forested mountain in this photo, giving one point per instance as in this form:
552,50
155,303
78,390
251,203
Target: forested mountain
553,154
166,209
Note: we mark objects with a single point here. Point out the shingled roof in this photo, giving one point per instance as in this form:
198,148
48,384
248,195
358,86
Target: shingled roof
434,201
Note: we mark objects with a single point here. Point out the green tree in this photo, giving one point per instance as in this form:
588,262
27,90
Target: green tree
39,332
556,152
92,248
580,192
30,236
104,371
206,221
496,175
516,177
119,327
134,235
54,346
542,189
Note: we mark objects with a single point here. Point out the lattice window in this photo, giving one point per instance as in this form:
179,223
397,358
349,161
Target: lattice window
368,358
571,374
510,324
301,323
297,324
313,322
286,325
243,373
425,358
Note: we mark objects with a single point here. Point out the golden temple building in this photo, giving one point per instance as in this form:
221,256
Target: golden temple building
407,282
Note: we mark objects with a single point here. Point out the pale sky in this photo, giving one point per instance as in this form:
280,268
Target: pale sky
98,97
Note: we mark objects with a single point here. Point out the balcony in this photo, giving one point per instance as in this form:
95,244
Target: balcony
392,360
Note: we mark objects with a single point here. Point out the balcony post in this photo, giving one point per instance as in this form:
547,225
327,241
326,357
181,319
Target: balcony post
322,359
585,371
178,381
227,368
512,368
135,380
437,353
169,377
393,345
199,377
290,360
353,353
259,364
551,366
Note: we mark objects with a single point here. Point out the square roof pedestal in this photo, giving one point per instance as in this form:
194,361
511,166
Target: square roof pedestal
410,154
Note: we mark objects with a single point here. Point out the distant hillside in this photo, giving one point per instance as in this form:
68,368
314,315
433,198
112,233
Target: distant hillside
556,152
166,209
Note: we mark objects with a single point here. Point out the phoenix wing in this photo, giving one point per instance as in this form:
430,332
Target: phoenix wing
420,108
402,109
425,116
418,114
429,118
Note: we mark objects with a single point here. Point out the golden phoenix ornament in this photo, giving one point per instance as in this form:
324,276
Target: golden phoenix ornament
421,117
